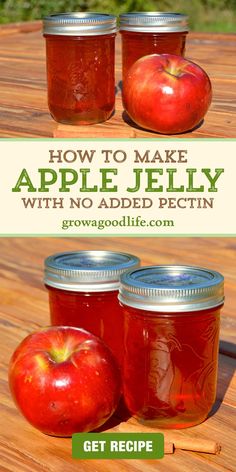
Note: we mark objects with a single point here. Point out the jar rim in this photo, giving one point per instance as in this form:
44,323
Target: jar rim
79,24
87,270
154,22
175,288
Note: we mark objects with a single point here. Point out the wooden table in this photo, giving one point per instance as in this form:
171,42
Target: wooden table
23,100
24,307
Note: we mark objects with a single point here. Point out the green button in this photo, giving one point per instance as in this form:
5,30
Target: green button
117,446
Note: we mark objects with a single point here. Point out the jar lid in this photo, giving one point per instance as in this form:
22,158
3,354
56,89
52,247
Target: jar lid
154,22
79,24
93,271
172,288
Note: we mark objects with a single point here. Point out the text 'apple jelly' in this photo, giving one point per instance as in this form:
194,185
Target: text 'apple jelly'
172,316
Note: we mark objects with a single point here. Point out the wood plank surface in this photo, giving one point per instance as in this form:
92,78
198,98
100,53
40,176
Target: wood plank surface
23,96
24,308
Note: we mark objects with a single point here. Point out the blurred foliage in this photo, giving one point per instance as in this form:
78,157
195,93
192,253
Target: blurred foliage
205,15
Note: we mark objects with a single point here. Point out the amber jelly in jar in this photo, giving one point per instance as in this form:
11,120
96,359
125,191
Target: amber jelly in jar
80,66
171,337
151,33
83,288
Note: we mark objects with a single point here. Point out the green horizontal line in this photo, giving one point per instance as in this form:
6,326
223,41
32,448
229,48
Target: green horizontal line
92,235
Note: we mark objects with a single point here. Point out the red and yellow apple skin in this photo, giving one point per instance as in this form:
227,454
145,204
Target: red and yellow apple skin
166,93
64,380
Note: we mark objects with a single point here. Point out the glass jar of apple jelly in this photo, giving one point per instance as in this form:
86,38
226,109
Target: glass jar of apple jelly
83,288
80,66
151,33
171,338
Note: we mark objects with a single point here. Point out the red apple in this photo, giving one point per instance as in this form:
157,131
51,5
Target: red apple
166,93
64,380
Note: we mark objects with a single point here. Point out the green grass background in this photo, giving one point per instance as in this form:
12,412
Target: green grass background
205,15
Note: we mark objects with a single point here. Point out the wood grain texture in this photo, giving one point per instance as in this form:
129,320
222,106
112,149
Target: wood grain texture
24,307
23,95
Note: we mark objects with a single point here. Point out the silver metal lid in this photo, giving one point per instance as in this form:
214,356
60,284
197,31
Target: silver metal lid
92,271
79,24
154,22
172,288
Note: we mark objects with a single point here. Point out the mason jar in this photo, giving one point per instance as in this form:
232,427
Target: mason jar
171,338
80,66
145,33
83,288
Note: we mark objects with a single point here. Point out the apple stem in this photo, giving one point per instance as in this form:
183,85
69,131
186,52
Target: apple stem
60,355
63,354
